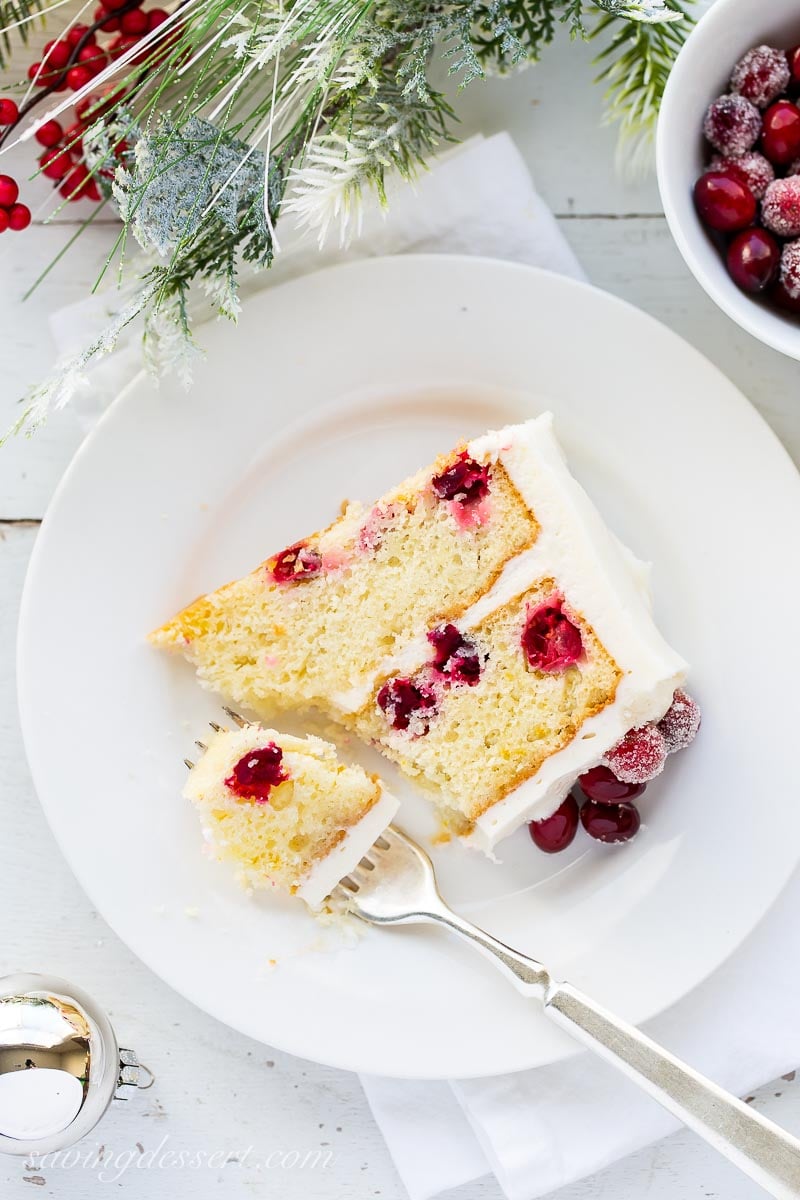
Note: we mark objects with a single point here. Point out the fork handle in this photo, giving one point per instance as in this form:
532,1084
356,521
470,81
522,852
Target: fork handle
759,1148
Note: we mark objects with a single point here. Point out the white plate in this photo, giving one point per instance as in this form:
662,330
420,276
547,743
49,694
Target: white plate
335,386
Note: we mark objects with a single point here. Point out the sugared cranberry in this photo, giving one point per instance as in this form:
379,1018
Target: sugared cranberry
556,832
640,756
610,822
257,773
9,112
761,75
456,656
465,480
723,201
407,704
19,217
9,191
757,171
551,641
602,785
732,124
680,723
781,138
753,258
295,564
780,208
790,269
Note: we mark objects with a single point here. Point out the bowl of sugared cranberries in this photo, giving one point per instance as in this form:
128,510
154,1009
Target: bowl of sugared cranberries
728,153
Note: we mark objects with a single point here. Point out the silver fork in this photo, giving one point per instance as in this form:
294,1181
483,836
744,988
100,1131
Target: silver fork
395,885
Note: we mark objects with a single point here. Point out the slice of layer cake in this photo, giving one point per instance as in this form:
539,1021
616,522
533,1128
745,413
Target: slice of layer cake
480,625
285,810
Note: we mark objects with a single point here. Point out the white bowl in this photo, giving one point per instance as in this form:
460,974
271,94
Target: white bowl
701,73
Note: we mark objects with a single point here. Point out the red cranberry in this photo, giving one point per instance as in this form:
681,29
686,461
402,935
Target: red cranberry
781,138
405,702
113,5
78,33
4,219
72,137
78,77
9,112
76,183
761,75
295,564
456,656
640,755
9,191
732,124
55,164
757,172
56,55
723,201
557,831
19,217
110,25
753,258
778,295
790,269
135,23
49,134
602,785
780,208
680,722
550,640
257,773
793,56
610,822
465,480
156,17
93,58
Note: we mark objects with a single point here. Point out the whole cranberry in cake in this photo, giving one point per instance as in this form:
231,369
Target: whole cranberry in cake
780,208
407,704
780,140
753,258
790,269
610,822
757,172
551,641
761,75
257,773
466,481
724,201
680,722
640,756
602,785
556,832
456,656
732,124
295,564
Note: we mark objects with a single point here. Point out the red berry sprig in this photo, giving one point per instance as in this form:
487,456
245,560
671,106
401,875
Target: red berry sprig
13,216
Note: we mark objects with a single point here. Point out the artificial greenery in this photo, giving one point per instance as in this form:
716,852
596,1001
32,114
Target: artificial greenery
239,113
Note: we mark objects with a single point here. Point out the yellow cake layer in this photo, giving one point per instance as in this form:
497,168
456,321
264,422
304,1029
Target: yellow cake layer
403,565
484,740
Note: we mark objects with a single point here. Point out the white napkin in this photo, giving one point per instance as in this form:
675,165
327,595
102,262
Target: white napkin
536,1130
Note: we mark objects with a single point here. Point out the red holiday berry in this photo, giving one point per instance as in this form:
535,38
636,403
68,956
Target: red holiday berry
732,124
551,641
78,33
681,721
72,137
76,183
793,56
640,756
38,75
49,134
557,831
135,23
9,191
113,5
780,208
610,822
407,705
753,258
456,656
19,217
93,58
756,171
602,785
465,481
761,75
78,77
111,24
778,295
55,163
781,138
257,773
122,44
156,17
790,269
723,201
56,55
4,218
296,564
9,112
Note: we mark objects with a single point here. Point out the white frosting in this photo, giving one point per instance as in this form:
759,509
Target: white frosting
605,583
327,872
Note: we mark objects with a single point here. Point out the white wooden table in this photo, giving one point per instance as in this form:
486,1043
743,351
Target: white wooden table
215,1090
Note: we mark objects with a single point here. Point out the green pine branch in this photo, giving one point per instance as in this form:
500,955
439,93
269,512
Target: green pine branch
16,20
